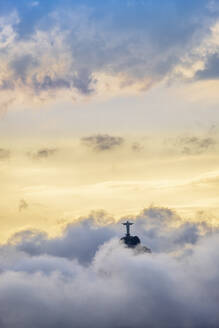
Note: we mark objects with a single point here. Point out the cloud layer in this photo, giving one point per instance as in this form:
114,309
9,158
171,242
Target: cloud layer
86,277
159,228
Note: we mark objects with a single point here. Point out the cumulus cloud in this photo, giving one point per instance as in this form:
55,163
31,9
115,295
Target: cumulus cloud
85,47
102,142
117,289
79,241
164,231
22,65
161,229
85,277
84,82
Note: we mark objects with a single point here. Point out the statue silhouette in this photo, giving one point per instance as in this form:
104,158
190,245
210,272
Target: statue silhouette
133,241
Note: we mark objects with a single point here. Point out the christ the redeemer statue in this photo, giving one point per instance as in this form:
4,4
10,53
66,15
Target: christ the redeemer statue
130,241
133,241
127,224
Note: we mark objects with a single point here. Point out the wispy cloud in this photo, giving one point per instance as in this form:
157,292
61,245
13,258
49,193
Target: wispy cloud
4,153
102,142
23,205
137,147
194,145
42,153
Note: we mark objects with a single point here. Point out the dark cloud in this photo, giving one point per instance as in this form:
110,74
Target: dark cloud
194,145
102,142
211,69
84,82
159,228
140,41
81,80
6,85
23,205
50,83
21,66
42,153
4,153
117,287
79,241
137,147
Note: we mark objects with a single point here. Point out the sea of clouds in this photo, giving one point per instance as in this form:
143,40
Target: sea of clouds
87,278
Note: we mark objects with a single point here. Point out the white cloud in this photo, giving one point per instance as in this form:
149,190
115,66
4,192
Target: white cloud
119,289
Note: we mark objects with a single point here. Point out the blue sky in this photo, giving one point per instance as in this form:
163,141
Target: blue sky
138,39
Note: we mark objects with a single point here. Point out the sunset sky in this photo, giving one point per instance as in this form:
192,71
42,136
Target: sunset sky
109,112
107,107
